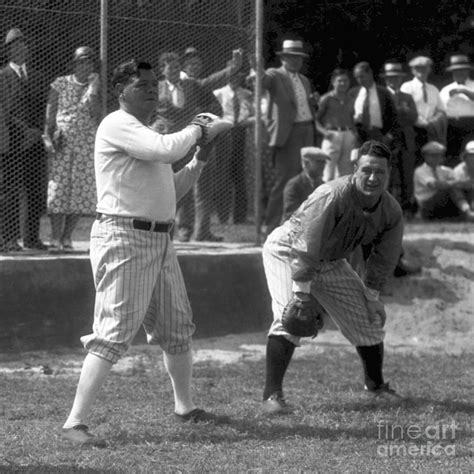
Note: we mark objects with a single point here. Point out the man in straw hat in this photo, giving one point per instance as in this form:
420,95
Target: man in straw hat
458,98
24,167
290,122
431,123
404,148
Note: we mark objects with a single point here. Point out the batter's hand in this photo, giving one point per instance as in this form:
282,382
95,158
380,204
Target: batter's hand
376,309
203,152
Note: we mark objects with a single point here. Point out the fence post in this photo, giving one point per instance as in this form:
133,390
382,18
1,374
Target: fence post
103,53
258,118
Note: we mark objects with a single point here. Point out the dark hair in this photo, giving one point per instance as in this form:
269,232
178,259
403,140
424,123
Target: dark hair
363,66
375,148
125,71
339,71
167,57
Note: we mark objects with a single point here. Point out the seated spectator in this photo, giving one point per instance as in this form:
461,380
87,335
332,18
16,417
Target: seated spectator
435,185
298,188
464,175
230,187
458,98
334,119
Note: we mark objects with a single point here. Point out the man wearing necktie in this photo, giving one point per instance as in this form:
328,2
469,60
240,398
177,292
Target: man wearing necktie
431,123
404,149
458,98
24,167
374,111
290,122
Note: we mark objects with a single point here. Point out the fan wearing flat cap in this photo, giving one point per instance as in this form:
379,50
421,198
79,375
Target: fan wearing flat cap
290,121
431,123
464,175
24,167
298,188
436,186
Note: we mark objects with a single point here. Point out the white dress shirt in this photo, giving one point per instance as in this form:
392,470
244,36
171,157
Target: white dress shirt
425,178
176,93
303,112
426,110
374,106
225,96
17,68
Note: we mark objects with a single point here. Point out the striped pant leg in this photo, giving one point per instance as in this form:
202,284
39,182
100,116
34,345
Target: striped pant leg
169,319
341,292
276,264
126,264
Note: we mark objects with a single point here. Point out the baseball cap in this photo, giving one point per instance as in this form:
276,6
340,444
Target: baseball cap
314,153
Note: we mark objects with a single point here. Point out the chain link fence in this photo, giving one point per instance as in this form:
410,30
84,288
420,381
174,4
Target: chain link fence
48,117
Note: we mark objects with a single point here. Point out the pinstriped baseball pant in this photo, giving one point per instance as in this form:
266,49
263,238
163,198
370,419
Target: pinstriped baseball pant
336,286
138,281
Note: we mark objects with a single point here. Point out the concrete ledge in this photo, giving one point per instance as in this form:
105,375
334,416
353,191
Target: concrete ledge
48,300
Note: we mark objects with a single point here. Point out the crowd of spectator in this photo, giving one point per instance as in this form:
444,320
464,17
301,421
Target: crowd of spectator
48,130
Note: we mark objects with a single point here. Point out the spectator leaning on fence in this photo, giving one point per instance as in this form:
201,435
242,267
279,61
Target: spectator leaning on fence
290,122
178,101
24,166
230,186
136,272
72,116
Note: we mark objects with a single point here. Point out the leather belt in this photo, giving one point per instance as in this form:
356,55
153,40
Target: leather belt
339,129
152,226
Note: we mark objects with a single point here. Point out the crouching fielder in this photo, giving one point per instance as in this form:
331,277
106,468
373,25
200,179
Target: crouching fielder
136,273
306,256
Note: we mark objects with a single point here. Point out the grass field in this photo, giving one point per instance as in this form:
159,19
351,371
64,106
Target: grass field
333,429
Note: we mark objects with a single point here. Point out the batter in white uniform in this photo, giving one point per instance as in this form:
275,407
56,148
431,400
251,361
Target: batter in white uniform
136,272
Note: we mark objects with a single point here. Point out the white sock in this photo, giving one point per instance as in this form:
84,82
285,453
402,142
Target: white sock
94,371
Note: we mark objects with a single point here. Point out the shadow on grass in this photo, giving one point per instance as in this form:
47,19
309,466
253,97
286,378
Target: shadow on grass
48,469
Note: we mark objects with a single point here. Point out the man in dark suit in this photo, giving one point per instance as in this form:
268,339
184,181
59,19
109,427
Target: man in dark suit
404,149
374,111
24,167
179,100
298,188
290,122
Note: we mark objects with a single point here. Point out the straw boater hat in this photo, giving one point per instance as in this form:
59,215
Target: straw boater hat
293,47
393,69
12,35
420,61
468,149
433,147
458,61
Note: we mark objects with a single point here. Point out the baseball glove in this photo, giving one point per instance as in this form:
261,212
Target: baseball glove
211,125
303,318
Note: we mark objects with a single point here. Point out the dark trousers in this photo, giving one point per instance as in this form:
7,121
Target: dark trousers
24,171
460,131
231,190
195,208
440,206
287,163
403,170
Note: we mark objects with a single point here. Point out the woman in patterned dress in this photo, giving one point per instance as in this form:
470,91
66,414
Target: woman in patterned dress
72,117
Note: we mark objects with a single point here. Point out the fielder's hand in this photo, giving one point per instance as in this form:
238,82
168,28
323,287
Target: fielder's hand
376,309
211,125
303,316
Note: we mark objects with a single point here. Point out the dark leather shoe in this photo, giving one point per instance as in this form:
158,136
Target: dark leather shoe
80,435
12,247
200,416
35,245
405,267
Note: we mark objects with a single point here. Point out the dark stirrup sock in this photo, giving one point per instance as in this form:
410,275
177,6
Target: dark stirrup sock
279,353
372,362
